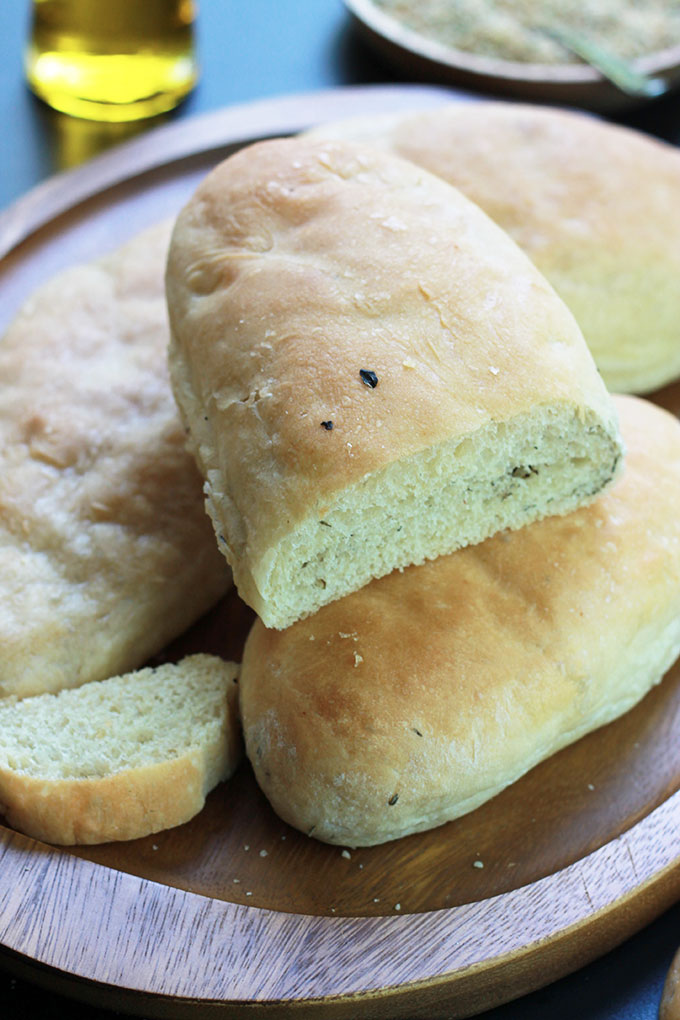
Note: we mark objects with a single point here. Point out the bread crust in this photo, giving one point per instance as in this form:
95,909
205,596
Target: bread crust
84,794
596,206
296,267
113,808
424,694
105,550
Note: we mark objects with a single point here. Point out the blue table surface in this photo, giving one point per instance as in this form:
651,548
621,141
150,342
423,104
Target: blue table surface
256,50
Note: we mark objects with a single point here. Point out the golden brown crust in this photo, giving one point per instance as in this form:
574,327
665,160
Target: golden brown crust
87,811
424,694
297,265
105,549
44,793
596,206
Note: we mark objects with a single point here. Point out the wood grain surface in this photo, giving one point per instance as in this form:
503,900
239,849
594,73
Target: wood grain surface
237,913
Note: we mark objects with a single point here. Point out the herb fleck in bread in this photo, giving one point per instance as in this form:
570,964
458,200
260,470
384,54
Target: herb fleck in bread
106,553
371,372
119,758
421,696
596,206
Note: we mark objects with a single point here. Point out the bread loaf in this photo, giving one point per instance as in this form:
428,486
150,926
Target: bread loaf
596,206
119,758
371,372
105,549
426,693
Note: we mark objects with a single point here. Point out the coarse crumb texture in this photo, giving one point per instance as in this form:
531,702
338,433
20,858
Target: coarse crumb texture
426,693
595,206
119,758
371,372
106,553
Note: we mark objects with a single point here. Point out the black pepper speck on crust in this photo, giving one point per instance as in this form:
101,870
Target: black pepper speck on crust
368,377
327,425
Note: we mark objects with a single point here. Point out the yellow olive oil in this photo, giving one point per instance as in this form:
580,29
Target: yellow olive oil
112,60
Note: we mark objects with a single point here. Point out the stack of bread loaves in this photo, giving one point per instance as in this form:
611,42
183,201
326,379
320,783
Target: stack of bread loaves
413,469
373,376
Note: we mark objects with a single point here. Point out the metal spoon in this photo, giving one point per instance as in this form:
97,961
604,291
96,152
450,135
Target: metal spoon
619,72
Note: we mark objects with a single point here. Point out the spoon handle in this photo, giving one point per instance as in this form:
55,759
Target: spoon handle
617,70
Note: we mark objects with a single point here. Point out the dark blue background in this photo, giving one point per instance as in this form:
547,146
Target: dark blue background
251,49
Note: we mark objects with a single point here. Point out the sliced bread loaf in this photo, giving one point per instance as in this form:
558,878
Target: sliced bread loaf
119,758
371,372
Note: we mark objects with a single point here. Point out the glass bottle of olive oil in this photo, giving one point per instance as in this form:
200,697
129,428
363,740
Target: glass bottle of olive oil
112,60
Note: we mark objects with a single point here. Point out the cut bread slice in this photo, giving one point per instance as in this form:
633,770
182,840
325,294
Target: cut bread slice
119,758
372,374
426,693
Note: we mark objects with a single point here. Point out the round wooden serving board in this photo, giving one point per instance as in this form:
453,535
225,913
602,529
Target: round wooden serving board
236,913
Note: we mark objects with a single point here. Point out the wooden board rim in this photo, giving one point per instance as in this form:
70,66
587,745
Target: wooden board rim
171,142
439,945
